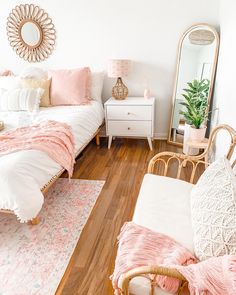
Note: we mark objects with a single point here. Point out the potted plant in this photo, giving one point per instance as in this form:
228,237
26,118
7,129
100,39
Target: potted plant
196,108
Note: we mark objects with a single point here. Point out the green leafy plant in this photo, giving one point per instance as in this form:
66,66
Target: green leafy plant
196,102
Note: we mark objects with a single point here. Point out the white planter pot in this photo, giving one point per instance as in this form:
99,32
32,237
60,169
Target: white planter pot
197,135
186,149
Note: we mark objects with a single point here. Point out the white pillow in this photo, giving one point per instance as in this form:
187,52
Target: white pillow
97,79
20,99
213,209
9,82
33,73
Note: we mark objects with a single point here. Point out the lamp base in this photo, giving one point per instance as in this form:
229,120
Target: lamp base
120,91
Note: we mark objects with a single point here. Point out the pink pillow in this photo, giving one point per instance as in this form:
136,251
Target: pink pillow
70,87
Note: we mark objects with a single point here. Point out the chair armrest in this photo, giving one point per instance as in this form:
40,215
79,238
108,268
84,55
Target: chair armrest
195,160
167,158
151,270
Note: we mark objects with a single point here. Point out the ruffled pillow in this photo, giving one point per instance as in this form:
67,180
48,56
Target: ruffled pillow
20,99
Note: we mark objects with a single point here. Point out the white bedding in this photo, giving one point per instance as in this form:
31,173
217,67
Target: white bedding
24,173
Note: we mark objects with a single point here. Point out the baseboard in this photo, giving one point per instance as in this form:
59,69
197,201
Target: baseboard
162,136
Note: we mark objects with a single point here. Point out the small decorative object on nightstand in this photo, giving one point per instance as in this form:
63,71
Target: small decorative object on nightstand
133,117
146,93
119,68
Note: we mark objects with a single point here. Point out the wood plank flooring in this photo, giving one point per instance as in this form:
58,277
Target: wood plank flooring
122,167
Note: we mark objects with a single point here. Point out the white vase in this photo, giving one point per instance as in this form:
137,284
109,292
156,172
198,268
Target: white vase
186,149
197,135
146,93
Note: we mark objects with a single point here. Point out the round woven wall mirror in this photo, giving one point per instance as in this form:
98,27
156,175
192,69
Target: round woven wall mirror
31,32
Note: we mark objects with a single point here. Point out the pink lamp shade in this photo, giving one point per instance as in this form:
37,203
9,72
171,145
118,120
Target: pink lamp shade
118,68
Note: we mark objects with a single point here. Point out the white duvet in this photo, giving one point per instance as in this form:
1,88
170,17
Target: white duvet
24,173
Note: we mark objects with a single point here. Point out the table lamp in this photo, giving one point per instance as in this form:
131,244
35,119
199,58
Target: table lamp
119,68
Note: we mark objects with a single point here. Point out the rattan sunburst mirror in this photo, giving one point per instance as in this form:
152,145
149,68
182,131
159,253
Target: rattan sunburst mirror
31,32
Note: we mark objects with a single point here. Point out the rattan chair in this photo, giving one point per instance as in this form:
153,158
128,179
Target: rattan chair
165,159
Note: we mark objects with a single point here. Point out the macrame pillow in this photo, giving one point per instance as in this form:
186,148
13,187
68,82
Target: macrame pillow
213,209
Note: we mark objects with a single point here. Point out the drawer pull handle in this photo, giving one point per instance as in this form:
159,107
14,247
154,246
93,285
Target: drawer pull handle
128,128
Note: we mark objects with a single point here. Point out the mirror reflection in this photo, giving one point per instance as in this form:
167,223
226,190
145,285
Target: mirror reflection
30,34
195,74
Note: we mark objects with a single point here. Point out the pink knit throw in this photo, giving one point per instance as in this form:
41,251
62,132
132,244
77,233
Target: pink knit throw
139,246
214,276
52,137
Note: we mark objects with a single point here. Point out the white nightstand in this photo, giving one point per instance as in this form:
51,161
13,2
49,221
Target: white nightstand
131,117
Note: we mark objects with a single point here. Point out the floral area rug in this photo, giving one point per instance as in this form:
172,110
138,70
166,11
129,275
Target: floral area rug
33,259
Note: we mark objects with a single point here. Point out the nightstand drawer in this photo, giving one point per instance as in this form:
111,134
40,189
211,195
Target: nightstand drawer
129,128
129,112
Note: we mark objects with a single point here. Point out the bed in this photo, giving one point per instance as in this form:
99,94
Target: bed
26,175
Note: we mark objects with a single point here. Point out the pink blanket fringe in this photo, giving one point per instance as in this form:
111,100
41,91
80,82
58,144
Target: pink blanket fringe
139,246
52,137
214,276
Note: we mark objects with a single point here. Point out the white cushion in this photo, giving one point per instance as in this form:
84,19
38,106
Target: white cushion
20,99
141,286
97,79
34,73
213,206
163,206
9,82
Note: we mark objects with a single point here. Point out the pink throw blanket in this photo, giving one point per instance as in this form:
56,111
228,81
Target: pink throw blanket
139,246
214,276
52,137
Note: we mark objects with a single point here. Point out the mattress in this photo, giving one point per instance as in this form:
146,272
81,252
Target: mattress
23,174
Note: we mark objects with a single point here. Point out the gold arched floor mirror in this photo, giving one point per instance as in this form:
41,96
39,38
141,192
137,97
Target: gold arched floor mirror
195,74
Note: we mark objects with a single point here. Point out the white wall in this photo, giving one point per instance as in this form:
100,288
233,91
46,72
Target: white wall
89,32
225,91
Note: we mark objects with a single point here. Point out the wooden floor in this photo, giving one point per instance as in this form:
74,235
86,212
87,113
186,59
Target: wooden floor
122,167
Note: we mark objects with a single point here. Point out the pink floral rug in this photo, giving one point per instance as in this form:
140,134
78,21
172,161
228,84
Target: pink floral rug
33,259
